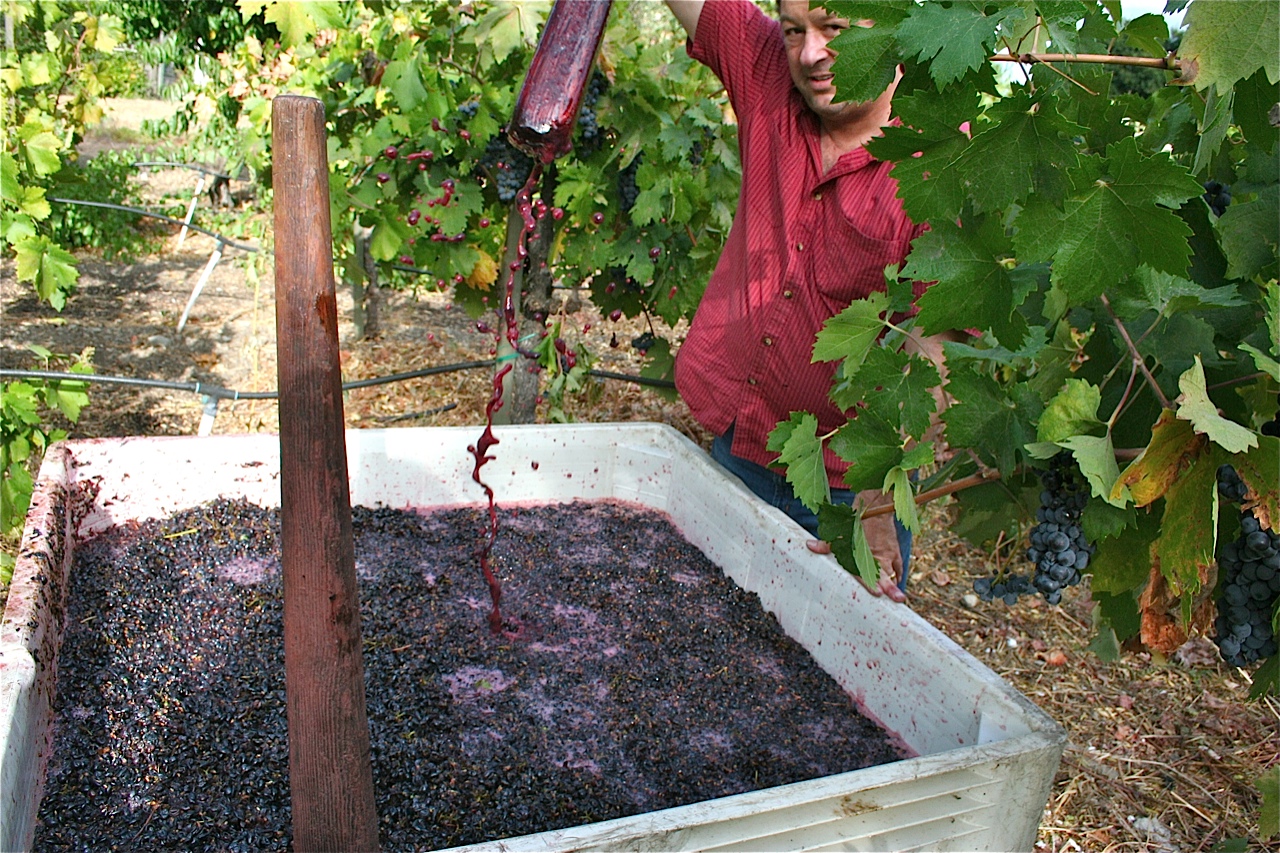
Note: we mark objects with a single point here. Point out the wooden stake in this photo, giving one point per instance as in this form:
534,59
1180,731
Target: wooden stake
330,775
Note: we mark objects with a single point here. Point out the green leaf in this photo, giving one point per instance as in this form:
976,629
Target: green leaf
1248,233
1213,130
1168,294
1122,564
835,527
904,505
1073,411
1262,361
1266,682
51,268
1105,644
895,386
41,150
298,19
1096,457
800,451
923,148
1120,611
957,37
404,81
389,236
1230,41
33,203
1147,33
1101,520
988,420
1269,785
1195,406
851,333
1120,219
1026,151
867,62
865,561
973,286
871,446
1185,544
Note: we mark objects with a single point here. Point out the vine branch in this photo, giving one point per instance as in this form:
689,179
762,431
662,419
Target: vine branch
1165,63
1138,360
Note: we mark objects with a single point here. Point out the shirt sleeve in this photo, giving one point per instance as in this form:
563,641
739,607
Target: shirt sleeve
742,46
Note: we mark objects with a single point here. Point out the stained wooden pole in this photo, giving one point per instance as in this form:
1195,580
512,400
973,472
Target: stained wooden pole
330,775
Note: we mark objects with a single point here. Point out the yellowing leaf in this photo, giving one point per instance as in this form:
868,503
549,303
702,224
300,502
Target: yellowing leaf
1174,446
484,273
1195,406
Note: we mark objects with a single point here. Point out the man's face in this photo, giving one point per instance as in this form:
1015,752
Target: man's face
806,33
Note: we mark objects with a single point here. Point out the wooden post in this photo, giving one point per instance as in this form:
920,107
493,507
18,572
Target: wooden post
330,775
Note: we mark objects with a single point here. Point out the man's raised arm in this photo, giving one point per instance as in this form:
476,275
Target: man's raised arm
686,12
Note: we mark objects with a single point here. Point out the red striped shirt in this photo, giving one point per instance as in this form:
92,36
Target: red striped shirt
803,245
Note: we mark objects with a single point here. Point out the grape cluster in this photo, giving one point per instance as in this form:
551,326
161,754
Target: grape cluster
469,109
508,166
627,189
1230,486
1058,547
587,123
1250,568
1217,195
1272,427
1008,587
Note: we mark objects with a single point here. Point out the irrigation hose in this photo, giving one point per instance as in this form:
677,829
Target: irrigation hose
217,392
223,240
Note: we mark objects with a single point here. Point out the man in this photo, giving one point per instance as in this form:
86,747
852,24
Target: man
817,222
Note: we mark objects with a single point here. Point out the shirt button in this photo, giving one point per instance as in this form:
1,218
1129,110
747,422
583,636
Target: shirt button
768,341
751,380
799,247
817,196
787,294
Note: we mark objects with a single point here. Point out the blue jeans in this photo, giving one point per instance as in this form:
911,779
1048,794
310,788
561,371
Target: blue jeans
773,489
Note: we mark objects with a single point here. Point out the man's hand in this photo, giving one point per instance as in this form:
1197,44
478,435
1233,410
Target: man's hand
882,537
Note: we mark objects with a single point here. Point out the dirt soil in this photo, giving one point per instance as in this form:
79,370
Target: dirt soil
1163,754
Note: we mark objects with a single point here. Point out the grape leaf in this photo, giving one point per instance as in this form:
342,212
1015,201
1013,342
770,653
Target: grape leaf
904,504
1266,682
871,446
1184,547
956,37
1271,306
389,235
1262,361
1151,290
1062,18
1195,406
1100,520
835,527
851,333
50,267
865,561
1122,563
1230,41
1027,150
1119,612
1096,457
1248,233
1105,644
1174,447
1120,219
983,417
928,189
885,13
1258,469
896,386
800,451
401,77
974,288
41,150
1213,129
1073,411
867,63
1147,33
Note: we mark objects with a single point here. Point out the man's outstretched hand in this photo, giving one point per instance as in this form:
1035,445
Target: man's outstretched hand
882,536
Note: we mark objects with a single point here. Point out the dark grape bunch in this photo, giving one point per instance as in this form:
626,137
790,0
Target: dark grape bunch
1250,568
1230,486
1058,547
628,192
587,124
469,109
1007,587
508,166
1218,196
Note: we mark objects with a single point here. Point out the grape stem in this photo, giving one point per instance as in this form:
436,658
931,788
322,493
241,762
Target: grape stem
1138,360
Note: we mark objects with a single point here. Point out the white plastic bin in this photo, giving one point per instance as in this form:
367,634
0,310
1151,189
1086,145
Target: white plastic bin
987,756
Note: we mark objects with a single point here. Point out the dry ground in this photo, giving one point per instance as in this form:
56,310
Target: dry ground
1163,754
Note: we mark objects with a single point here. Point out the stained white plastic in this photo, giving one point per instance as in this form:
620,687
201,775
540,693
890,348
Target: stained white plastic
987,756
